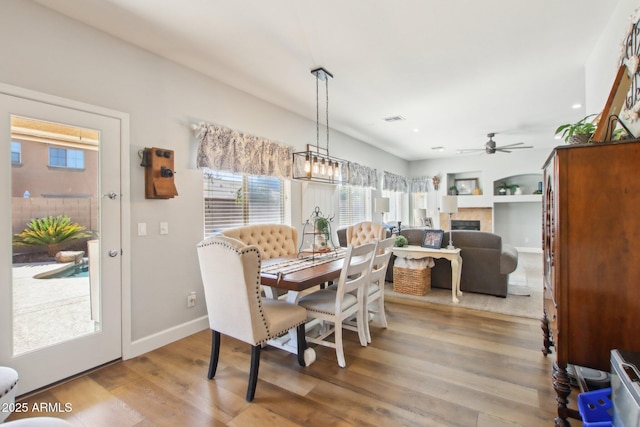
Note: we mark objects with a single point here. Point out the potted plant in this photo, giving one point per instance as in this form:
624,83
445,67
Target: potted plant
453,190
322,227
503,188
579,132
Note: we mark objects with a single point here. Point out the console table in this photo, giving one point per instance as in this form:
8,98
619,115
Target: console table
453,255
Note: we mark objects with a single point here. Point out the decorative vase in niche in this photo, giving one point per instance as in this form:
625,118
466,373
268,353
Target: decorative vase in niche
502,191
518,191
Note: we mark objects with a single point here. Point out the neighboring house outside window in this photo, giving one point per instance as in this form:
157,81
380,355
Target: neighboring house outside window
66,158
355,204
16,153
234,200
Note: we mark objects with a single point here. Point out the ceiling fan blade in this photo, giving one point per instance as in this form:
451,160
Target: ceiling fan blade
515,148
511,145
470,150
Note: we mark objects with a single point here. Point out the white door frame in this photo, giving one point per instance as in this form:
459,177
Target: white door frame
125,220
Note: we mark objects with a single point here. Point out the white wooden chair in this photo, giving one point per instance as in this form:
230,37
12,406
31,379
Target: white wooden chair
347,300
231,276
375,288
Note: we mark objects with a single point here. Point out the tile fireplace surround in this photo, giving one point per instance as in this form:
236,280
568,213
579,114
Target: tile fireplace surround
484,215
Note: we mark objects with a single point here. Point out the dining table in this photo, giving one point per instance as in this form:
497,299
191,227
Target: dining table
296,275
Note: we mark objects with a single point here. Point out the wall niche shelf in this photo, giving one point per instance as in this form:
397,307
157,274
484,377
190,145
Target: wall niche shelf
518,198
528,183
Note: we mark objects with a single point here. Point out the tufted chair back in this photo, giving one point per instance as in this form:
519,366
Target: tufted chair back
365,232
273,240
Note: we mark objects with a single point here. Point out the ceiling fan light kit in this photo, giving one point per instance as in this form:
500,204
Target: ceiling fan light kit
491,148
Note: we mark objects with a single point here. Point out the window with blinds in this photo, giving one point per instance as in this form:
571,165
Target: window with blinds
395,205
233,200
355,205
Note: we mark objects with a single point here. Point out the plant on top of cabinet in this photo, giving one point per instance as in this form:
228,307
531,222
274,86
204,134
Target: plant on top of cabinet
579,132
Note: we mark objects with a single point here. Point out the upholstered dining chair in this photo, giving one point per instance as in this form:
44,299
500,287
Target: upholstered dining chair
365,232
231,275
347,300
273,241
375,288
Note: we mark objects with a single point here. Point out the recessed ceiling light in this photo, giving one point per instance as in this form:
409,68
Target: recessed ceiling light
416,130
438,148
394,119
576,106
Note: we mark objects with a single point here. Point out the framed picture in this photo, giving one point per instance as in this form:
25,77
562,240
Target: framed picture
432,239
427,222
466,185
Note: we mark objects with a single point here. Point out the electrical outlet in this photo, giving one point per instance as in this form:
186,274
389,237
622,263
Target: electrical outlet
191,300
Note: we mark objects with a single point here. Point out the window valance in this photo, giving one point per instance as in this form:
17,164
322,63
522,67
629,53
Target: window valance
363,176
393,182
419,185
229,150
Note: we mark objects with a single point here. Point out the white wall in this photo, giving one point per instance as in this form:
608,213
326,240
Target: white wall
603,63
46,52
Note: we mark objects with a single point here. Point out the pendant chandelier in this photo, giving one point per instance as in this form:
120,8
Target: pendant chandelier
315,164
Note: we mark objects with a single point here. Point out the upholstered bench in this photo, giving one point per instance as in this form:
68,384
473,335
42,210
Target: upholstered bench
273,240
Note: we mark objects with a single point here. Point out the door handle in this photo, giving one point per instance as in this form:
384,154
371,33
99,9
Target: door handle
112,195
113,253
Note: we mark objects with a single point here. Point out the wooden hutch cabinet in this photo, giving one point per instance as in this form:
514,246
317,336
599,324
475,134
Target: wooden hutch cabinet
591,248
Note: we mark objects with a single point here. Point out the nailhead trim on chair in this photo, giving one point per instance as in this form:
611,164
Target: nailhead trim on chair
11,386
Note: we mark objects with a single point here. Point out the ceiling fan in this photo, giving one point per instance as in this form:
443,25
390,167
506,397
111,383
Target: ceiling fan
490,146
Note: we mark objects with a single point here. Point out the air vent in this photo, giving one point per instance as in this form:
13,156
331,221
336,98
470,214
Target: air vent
394,119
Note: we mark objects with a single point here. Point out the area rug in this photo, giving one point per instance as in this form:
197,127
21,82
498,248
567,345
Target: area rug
524,298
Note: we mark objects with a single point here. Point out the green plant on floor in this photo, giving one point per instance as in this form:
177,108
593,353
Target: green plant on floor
50,231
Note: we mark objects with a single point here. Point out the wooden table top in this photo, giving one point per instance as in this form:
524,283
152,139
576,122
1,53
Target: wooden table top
302,279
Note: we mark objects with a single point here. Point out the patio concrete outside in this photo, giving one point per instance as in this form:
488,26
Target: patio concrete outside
48,311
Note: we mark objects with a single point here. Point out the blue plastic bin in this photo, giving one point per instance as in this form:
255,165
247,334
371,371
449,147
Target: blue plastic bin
596,408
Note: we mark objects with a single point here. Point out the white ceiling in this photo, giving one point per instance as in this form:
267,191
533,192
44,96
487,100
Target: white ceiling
456,70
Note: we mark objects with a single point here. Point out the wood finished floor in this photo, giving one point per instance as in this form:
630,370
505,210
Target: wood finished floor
433,366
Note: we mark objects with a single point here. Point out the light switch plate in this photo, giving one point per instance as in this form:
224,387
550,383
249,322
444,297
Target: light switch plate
164,228
142,229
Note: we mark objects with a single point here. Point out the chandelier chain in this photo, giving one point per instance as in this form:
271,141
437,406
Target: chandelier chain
317,116
326,85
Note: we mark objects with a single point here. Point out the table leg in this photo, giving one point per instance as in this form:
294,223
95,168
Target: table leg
289,342
456,272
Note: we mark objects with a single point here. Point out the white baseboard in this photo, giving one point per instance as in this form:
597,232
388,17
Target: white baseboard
529,250
159,339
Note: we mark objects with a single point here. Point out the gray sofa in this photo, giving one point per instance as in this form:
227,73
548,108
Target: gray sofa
486,262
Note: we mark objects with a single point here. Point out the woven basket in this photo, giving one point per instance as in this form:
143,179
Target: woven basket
410,281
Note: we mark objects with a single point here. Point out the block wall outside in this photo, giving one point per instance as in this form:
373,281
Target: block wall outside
83,211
